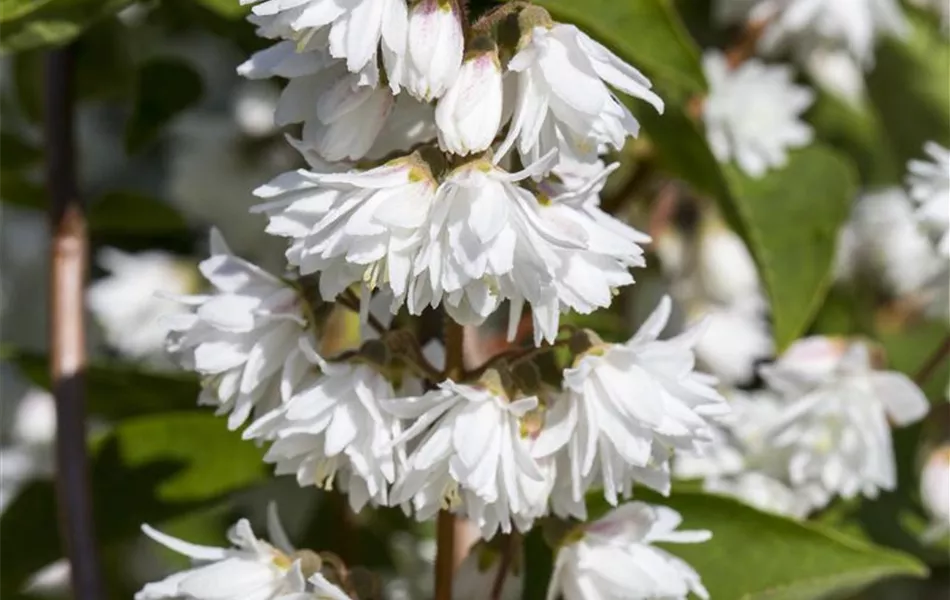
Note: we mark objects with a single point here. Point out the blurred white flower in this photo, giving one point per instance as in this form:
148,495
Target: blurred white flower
803,25
243,339
253,108
836,426
753,113
836,71
29,455
211,175
762,492
627,407
614,557
475,578
562,94
940,7
734,340
350,31
929,184
472,459
434,48
332,429
935,492
883,240
132,301
251,569
469,115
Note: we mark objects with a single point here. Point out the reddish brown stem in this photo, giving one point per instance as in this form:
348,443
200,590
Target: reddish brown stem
933,363
69,254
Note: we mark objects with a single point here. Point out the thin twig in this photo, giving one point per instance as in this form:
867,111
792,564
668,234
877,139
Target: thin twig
69,252
516,356
504,566
447,555
939,356
745,46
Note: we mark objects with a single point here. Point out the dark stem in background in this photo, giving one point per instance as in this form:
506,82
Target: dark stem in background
507,558
68,258
933,363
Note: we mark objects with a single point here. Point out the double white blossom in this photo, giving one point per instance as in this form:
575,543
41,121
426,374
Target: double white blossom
835,430
354,226
562,96
615,557
131,303
332,429
929,184
251,569
351,31
243,339
627,407
473,457
753,113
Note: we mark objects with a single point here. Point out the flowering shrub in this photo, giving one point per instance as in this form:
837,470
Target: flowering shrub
564,304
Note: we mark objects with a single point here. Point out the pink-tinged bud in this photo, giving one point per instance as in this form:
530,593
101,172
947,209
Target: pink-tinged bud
435,48
469,115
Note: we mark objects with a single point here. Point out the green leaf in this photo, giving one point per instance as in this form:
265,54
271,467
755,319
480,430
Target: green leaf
15,153
857,132
17,189
118,391
164,88
32,24
646,33
790,220
229,9
131,213
758,556
910,88
146,470
538,565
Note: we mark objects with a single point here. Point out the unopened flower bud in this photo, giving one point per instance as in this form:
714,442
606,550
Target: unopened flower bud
469,115
436,44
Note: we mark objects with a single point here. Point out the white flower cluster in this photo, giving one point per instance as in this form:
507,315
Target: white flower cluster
820,430
806,25
408,198
452,229
901,239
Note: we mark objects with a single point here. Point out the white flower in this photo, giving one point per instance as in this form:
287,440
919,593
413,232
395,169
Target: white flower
883,240
836,71
358,226
469,114
244,338
332,428
627,407
251,569
836,430
753,113
935,492
725,268
129,304
352,30
562,96
853,25
30,456
475,578
614,558
929,183
486,240
734,340
762,492
435,46
473,458
587,278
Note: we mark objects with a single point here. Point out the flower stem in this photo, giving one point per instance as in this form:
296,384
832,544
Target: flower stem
70,249
509,548
447,554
